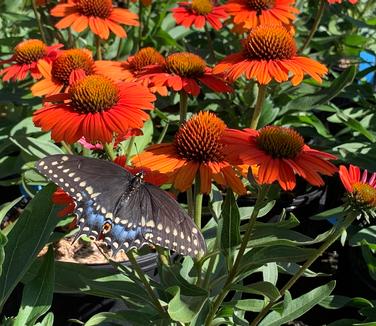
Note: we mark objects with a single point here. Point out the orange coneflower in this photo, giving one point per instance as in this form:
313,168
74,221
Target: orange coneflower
68,67
154,177
279,153
131,69
183,71
25,59
60,197
99,15
269,52
251,13
361,189
197,150
198,13
96,108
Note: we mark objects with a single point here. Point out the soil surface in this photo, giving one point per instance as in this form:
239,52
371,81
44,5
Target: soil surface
83,252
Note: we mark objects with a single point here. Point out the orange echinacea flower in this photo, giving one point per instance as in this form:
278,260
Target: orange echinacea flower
69,66
280,153
96,108
361,189
25,59
198,13
252,13
183,71
269,52
131,69
197,149
99,15
154,177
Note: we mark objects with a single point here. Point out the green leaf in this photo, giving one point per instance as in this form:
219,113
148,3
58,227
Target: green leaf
48,320
307,102
254,305
297,307
230,233
37,294
260,256
180,309
333,212
265,289
365,234
36,147
3,241
26,240
121,317
5,208
138,143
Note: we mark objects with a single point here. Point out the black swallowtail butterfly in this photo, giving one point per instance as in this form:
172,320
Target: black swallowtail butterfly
120,208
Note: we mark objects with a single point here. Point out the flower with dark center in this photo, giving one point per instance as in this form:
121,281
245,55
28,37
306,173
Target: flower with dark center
199,12
183,71
251,13
130,69
279,154
95,107
25,59
196,150
68,67
269,52
361,190
99,15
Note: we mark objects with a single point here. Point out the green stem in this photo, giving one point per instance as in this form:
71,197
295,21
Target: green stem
129,148
163,133
183,106
211,264
198,203
316,23
140,9
258,107
243,246
162,253
191,206
329,241
210,44
98,52
110,151
143,279
67,147
119,49
37,17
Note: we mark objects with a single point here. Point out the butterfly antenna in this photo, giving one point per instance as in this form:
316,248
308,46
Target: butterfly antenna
139,159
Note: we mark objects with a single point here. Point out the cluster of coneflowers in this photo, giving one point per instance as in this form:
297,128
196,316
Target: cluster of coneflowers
99,102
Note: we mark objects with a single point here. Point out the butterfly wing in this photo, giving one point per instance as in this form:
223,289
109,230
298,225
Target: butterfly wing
160,220
95,185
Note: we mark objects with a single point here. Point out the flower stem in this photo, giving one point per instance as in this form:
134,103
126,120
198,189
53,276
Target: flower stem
210,44
243,246
163,133
98,52
258,107
40,25
183,106
190,202
144,280
316,23
140,10
129,149
329,241
198,203
67,147
110,151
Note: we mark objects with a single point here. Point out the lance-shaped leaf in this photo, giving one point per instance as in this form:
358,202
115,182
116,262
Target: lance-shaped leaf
230,235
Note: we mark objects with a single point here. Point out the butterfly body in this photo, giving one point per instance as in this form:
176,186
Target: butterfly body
120,208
